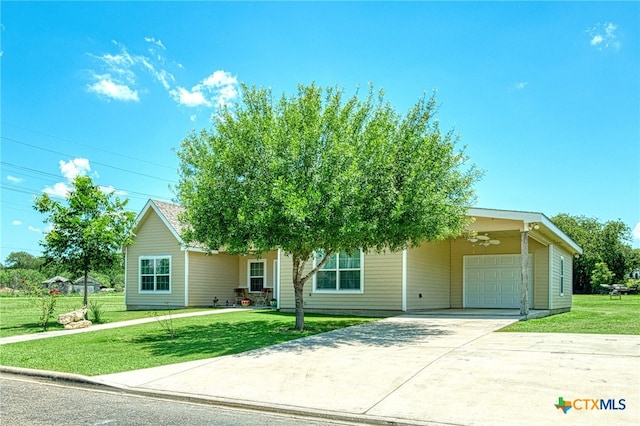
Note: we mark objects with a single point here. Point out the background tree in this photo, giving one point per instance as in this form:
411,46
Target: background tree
607,242
22,260
600,275
319,173
634,264
89,231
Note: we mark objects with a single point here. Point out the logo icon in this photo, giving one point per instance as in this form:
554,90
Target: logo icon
563,405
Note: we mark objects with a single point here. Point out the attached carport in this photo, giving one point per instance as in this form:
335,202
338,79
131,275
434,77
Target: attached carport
513,274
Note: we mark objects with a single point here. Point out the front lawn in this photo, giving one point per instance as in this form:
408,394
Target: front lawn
590,314
150,345
20,314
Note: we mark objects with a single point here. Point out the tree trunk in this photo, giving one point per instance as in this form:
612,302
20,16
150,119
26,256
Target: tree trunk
86,286
299,280
298,287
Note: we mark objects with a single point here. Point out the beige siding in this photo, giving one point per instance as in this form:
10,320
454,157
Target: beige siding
461,247
428,276
382,288
212,276
154,239
540,275
558,300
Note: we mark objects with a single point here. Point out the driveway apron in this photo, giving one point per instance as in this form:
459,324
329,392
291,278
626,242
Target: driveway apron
420,370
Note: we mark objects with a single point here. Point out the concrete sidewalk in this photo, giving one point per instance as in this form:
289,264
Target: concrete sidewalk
98,327
417,370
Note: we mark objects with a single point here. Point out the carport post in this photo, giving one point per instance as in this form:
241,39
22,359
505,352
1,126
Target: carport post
524,255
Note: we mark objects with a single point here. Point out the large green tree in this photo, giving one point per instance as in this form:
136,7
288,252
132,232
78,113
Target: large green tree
321,173
22,260
608,242
88,231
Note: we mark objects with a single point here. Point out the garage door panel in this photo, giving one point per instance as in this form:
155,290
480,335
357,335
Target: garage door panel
509,261
490,275
493,281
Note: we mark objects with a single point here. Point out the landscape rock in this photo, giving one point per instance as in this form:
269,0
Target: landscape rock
71,317
77,324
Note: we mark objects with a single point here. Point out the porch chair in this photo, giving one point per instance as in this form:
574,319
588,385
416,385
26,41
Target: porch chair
241,293
261,299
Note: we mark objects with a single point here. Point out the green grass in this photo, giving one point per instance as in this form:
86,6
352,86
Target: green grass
590,314
20,315
148,345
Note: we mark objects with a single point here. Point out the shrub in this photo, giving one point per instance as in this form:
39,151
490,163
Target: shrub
96,312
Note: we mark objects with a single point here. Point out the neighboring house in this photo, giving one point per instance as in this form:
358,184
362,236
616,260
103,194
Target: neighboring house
481,269
93,285
65,286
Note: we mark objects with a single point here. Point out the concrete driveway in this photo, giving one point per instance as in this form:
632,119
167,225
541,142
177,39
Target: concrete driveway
421,370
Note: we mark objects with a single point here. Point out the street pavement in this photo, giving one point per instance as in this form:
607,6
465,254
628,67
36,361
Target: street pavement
417,369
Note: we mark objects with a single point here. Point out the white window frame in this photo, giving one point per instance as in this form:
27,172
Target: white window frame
338,290
155,281
264,274
561,271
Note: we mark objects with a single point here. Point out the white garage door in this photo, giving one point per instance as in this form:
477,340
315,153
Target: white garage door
493,281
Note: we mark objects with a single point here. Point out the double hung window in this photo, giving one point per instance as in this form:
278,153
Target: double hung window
342,272
257,275
155,274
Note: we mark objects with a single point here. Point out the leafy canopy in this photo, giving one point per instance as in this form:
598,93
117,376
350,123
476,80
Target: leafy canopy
22,260
318,170
607,242
88,232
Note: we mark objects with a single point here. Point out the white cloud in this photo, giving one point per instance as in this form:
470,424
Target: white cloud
636,231
188,98
219,89
521,85
156,42
110,189
14,179
34,229
16,223
223,85
69,169
119,78
193,117
76,167
59,190
603,36
219,78
162,75
105,86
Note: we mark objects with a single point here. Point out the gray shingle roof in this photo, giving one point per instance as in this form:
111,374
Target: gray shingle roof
170,211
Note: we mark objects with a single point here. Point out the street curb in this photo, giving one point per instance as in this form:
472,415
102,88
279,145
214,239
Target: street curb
217,401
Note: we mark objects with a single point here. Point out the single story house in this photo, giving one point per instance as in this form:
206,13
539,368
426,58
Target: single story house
481,269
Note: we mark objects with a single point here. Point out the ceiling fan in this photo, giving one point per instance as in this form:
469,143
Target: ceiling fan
482,240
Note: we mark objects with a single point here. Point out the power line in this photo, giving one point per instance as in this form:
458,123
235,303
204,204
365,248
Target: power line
94,162
132,194
4,123
38,172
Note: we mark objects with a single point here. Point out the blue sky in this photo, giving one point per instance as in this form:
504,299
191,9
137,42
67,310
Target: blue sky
545,96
